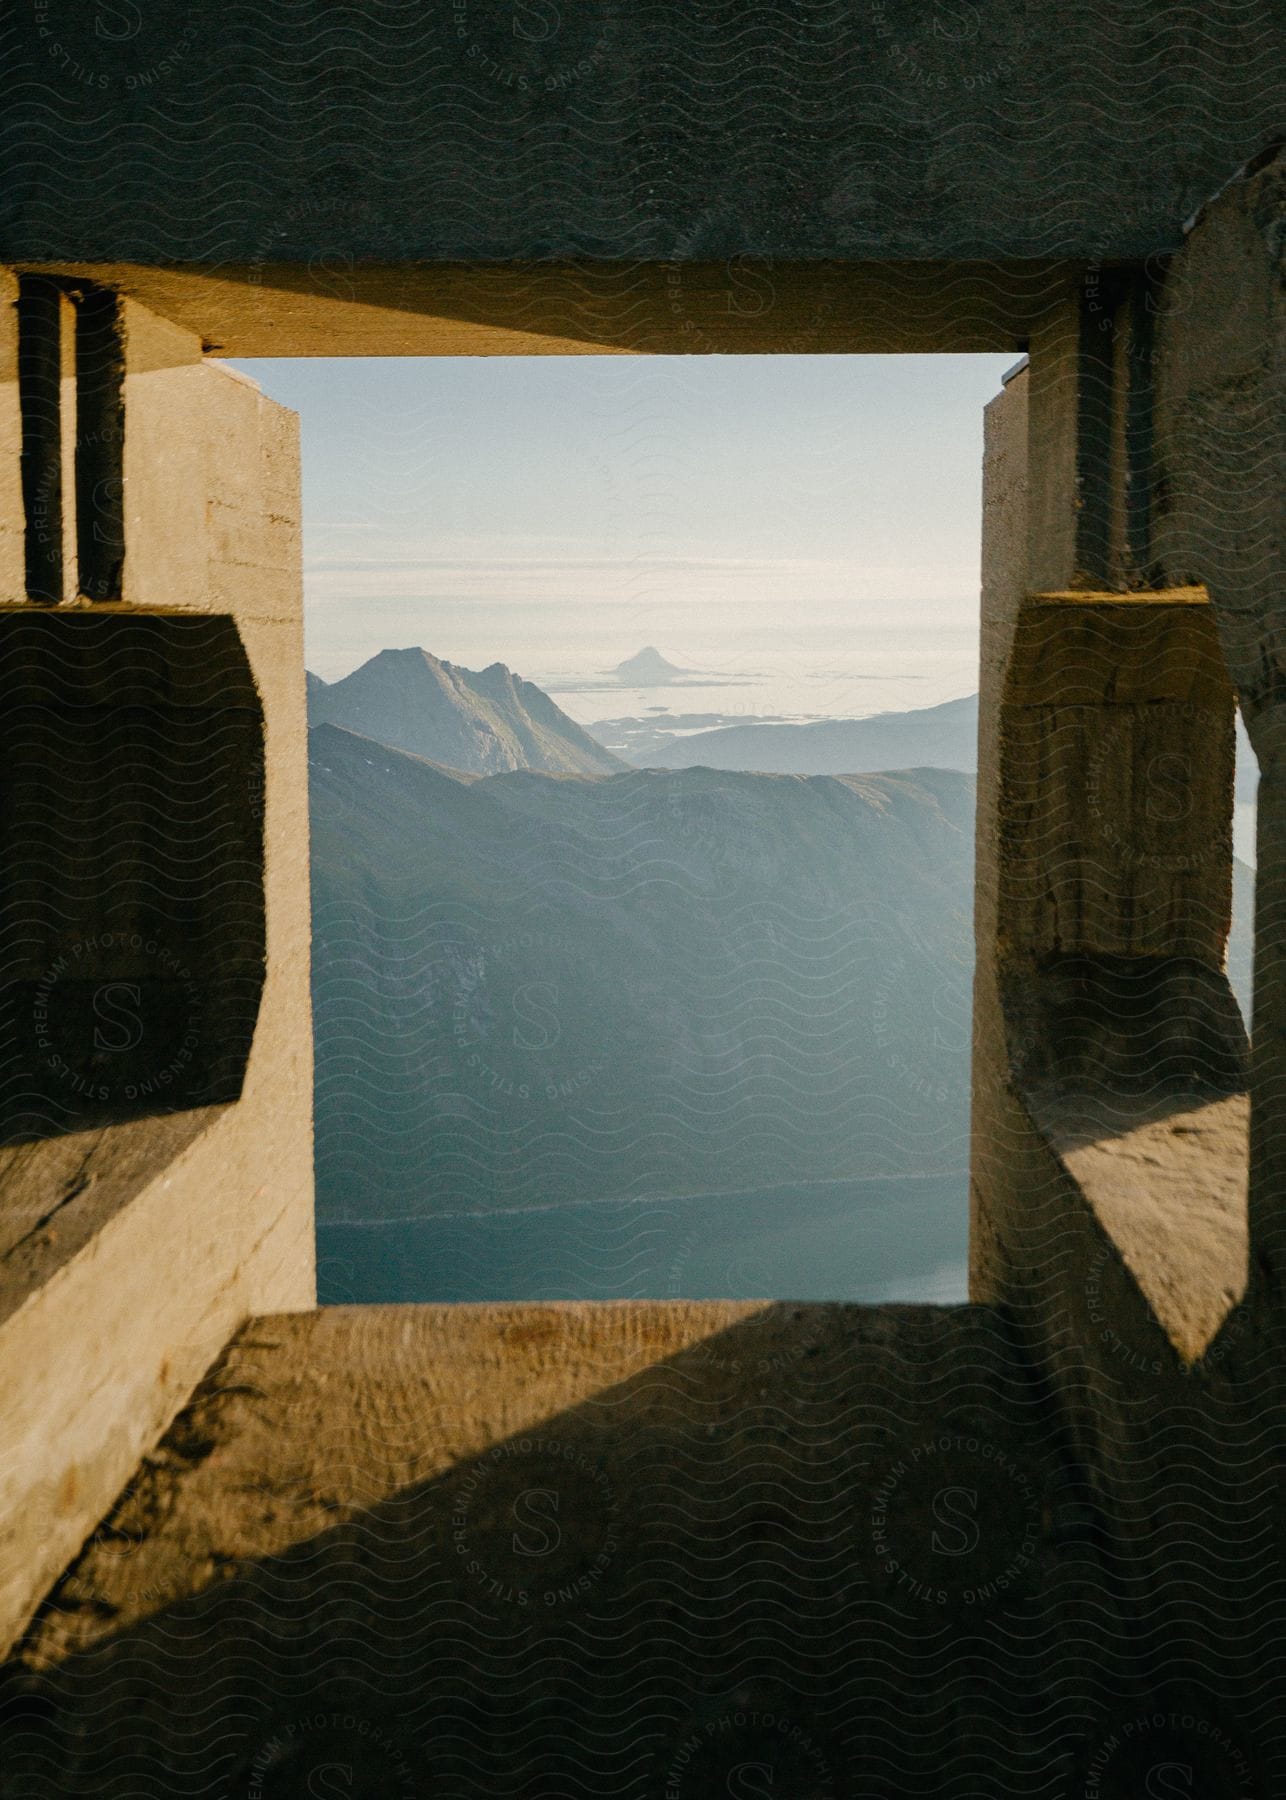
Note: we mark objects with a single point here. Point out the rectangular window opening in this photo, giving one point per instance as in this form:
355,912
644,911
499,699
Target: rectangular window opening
643,706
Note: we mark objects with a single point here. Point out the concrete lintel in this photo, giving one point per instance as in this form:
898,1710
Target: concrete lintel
746,305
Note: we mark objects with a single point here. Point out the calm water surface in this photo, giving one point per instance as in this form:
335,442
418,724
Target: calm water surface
868,1241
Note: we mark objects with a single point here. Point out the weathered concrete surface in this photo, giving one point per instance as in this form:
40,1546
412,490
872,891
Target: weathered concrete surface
493,130
1168,1187
136,1252
643,1549
133,970
59,1191
544,1548
1221,450
1108,1057
745,305
12,511
1102,911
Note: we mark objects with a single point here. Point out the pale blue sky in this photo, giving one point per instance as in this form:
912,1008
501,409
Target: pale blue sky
495,491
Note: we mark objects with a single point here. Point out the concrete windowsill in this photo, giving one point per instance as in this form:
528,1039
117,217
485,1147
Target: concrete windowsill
57,1193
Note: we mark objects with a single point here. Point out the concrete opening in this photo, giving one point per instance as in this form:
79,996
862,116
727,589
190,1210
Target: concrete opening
131,783
632,1019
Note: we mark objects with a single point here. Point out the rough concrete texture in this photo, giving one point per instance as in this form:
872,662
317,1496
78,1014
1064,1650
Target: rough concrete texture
143,1247
133,972
1103,1020
12,511
1221,436
489,130
632,1549
1170,1194
651,1549
744,305
1034,1546
1108,1059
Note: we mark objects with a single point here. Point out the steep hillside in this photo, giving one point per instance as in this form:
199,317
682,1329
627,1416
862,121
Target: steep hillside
483,721
532,989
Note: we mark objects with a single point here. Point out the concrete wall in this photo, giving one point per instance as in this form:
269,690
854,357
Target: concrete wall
134,1252
1221,448
1127,1200
534,129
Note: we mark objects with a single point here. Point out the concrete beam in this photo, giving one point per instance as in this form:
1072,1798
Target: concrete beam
745,304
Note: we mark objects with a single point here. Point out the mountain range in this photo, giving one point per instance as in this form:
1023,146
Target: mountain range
542,984
531,989
481,721
940,737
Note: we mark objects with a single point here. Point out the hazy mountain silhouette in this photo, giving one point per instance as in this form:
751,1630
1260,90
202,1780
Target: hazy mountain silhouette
940,737
648,669
530,989
483,721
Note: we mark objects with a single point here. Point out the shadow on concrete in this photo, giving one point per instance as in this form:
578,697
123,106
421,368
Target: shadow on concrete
827,1550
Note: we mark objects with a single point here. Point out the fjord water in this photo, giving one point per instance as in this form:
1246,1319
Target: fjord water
884,1239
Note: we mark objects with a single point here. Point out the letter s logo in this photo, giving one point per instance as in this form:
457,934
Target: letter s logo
754,292
126,21
536,1508
116,1003
955,1508
536,21
750,1781
533,1008
106,499
332,272
1169,1781
955,23
333,1781
1169,788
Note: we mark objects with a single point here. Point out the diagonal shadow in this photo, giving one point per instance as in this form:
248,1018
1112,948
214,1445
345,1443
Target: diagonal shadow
815,1540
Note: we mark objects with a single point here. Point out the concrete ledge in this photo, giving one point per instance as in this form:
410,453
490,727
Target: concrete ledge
595,1526
1167,1181
100,1342
58,1192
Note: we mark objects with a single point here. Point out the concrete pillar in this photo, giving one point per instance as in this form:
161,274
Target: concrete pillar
129,1252
1109,1054
1221,447
1112,1142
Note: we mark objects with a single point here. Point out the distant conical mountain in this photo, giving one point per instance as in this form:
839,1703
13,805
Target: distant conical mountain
648,669
484,722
